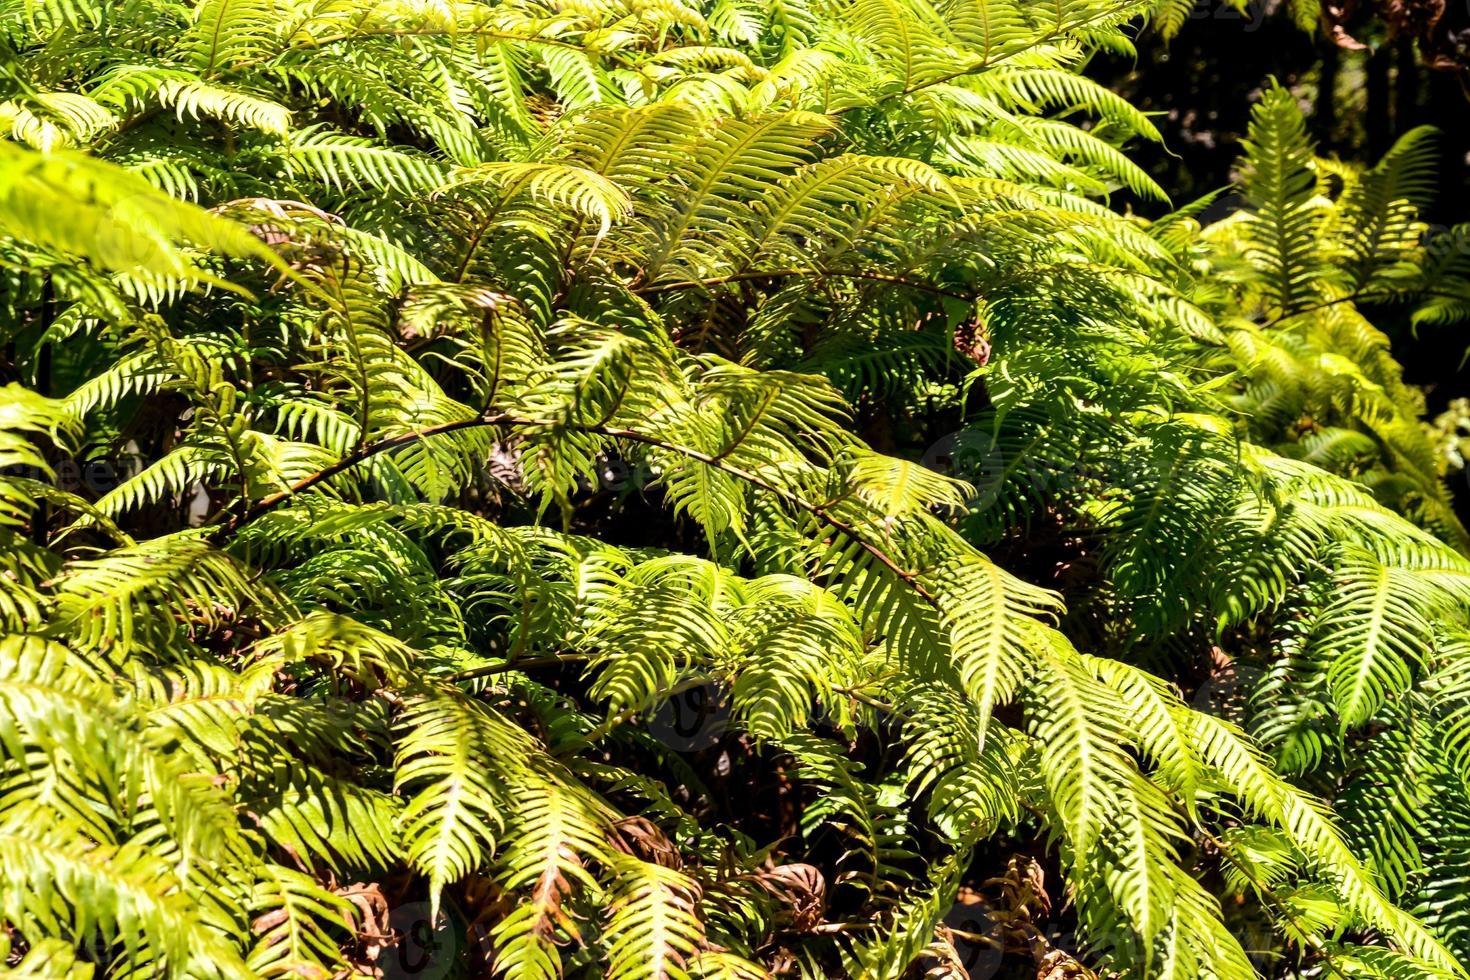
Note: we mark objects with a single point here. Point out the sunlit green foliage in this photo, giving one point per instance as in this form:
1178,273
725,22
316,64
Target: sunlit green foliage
482,377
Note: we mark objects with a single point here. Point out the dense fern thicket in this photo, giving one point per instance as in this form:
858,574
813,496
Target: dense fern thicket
411,403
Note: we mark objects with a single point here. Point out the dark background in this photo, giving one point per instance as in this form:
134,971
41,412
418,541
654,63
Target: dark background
1411,70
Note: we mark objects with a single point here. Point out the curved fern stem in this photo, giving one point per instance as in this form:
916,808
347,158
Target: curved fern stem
269,503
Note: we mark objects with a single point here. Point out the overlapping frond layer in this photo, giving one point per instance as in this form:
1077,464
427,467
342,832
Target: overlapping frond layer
455,390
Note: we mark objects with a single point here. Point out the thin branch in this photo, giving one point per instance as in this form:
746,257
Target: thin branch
665,287
272,501
819,511
493,669
857,695
1056,32
1307,937
1357,295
